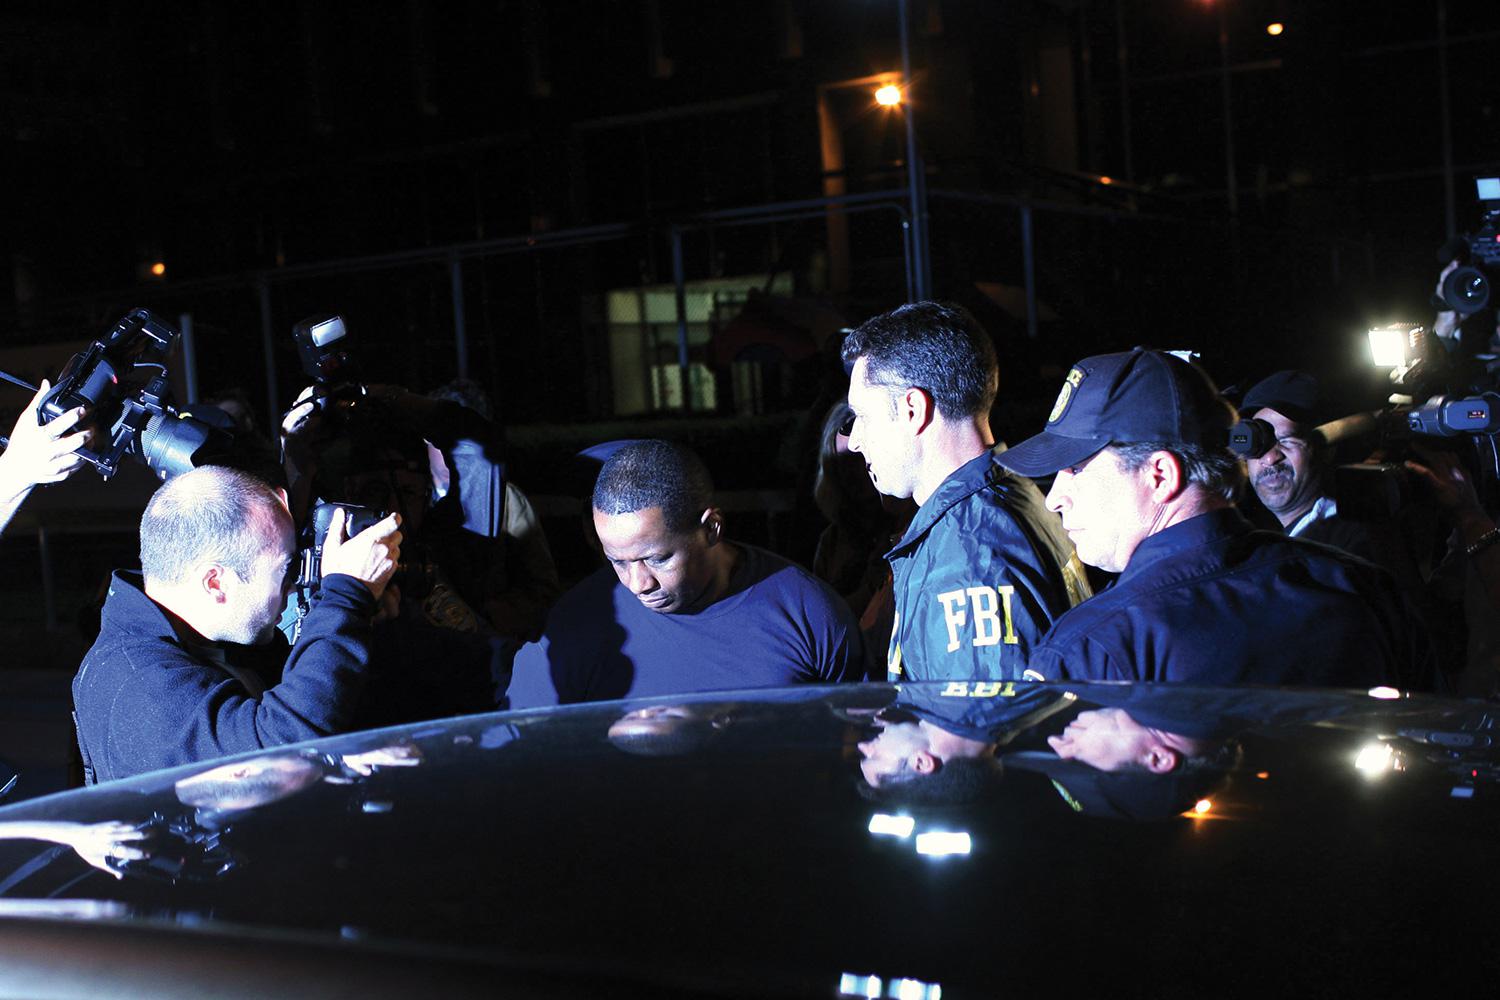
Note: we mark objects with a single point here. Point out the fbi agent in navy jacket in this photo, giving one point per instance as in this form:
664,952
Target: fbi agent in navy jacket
984,569
1146,487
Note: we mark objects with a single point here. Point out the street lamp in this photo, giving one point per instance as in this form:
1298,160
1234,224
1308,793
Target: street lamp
888,95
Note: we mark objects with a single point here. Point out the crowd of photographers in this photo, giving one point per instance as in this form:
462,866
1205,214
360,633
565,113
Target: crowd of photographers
375,566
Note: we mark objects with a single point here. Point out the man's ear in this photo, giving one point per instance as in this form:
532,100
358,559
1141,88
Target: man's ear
915,409
211,577
1161,759
712,520
924,762
1165,476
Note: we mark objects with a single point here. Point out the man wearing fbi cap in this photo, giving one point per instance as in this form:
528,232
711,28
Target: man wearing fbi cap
1146,486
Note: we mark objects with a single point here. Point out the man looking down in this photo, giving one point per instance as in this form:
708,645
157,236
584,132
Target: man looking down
218,558
680,608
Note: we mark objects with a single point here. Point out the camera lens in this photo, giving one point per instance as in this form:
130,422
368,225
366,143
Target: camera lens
1466,291
169,445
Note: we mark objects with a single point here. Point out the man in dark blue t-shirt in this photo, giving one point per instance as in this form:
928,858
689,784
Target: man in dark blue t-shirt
684,609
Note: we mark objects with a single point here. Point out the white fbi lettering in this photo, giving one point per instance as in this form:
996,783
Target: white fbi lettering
989,611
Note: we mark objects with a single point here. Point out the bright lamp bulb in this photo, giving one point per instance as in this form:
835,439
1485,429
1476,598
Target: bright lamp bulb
888,96
1388,347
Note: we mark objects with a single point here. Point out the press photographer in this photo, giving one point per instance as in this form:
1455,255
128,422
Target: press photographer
436,651
156,689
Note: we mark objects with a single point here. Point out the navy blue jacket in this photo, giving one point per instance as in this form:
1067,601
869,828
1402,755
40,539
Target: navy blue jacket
981,573
1213,601
145,700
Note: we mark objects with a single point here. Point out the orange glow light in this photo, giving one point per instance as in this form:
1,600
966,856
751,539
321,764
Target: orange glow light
1275,28
888,96
1203,806
1262,775
158,269
1106,180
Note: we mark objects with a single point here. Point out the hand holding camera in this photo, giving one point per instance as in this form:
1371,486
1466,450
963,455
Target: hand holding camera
41,453
371,556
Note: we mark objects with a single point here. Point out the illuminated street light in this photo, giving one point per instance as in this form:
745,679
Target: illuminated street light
888,95
159,269
1275,28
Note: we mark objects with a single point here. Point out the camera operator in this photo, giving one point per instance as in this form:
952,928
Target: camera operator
1293,479
381,453
38,453
217,553
1470,575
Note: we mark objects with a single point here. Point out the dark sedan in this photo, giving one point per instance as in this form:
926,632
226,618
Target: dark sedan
927,841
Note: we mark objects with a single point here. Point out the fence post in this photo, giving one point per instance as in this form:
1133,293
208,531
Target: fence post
268,349
1028,267
679,286
460,331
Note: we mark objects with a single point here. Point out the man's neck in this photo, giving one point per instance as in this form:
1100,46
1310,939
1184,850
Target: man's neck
952,446
727,560
1189,505
166,599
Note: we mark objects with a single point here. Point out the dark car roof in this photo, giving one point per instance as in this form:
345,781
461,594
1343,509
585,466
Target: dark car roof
1325,842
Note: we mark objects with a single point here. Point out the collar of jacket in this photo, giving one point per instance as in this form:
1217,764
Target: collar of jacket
979,473
129,608
1195,532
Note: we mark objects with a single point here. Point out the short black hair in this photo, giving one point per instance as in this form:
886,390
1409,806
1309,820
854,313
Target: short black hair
933,346
957,781
1218,471
646,474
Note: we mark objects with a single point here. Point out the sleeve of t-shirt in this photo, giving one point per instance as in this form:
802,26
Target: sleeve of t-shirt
837,643
531,681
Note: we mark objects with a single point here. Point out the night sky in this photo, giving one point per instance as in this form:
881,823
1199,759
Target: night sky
228,140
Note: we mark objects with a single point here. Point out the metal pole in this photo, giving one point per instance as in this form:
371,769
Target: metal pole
1231,185
49,585
914,169
1124,58
189,356
1447,116
679,287
460,333
268,349
1028,267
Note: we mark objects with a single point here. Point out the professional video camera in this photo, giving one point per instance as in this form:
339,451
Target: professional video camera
1446,399
1466,290
121,378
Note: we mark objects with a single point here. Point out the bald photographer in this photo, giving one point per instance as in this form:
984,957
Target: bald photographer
218,558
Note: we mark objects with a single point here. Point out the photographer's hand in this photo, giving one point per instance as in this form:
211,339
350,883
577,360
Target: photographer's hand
370,557
1451,486
302,432
38,453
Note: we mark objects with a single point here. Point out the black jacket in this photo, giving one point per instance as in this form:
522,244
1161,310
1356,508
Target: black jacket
143,699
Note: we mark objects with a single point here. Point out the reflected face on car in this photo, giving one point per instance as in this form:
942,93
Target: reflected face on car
1110,739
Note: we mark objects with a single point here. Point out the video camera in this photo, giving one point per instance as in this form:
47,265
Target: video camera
1447,399
1466,290
134,412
